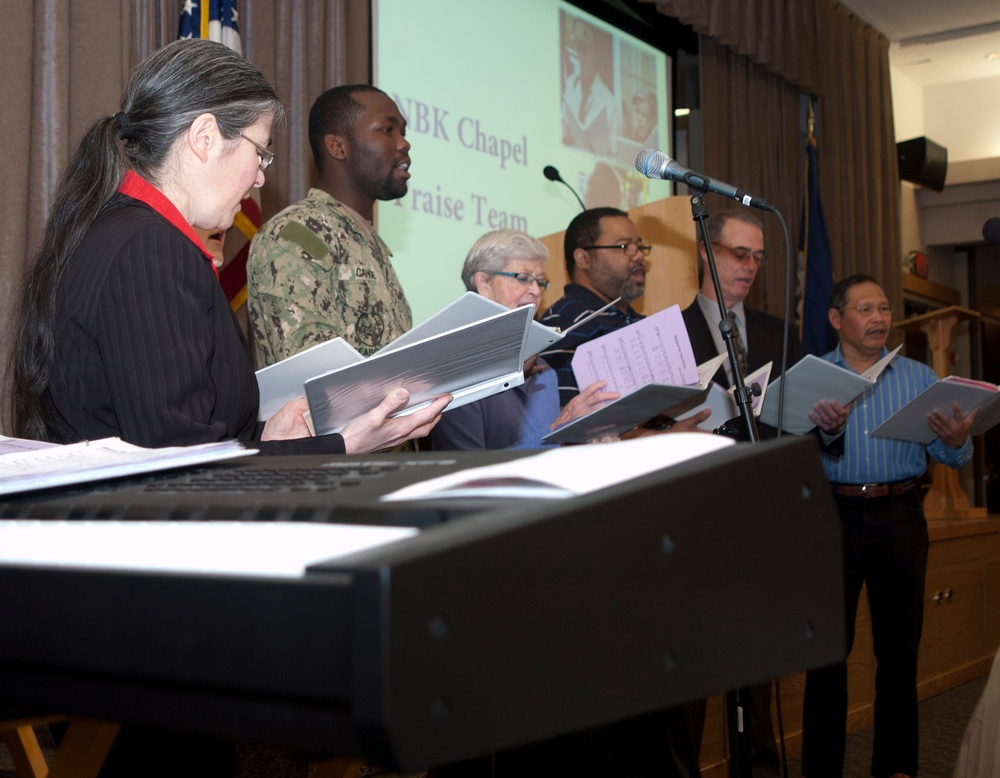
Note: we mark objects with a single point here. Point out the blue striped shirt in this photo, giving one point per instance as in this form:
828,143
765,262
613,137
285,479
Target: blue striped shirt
880,460
577,303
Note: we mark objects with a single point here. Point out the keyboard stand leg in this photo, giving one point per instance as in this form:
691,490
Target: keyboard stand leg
84,749
25,752
81,753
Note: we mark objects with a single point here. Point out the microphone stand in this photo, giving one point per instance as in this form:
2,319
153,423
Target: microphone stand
743,394
742,752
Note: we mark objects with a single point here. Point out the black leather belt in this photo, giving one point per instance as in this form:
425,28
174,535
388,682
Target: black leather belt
875,490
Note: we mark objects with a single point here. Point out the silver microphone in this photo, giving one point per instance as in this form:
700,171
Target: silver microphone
655,164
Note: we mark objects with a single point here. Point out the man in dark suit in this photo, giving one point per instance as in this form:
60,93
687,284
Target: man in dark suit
737,238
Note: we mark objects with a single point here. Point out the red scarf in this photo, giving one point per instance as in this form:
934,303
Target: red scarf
138,188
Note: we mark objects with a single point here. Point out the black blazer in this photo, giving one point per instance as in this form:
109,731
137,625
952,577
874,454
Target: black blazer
147,348
764,336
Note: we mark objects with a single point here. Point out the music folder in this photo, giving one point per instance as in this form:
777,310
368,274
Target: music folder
469,363
631,410
812,380
468,350
471,307
910,421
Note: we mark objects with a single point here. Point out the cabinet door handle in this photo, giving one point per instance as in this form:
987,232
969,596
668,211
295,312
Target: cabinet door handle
942,598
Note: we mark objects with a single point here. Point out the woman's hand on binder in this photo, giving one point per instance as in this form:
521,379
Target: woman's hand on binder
289,422
589,399
375,430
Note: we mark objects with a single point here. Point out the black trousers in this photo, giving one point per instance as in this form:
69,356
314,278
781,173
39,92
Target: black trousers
763,759
885,547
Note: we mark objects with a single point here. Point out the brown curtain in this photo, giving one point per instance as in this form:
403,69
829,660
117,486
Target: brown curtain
756,57
304,47
751,139
65,63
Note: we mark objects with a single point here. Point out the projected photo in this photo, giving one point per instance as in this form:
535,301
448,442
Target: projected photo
549,84
609,107
591,113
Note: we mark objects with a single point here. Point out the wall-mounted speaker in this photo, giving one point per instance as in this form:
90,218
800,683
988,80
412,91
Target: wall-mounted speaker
922,161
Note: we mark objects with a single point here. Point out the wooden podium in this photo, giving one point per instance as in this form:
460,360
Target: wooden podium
672,266
946,499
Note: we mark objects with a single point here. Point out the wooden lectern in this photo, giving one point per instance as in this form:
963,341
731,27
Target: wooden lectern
946,499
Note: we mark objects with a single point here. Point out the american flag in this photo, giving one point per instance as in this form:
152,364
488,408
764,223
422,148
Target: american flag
218,20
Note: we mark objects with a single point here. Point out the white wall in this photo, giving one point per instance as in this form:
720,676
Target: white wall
908,120
964,118
907,106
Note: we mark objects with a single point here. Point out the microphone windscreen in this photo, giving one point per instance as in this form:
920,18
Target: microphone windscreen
650,162
551,173
991,230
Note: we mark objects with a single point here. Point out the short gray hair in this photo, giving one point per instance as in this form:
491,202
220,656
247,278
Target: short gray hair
494,249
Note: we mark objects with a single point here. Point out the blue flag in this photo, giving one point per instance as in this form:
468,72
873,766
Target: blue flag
818,337
216,20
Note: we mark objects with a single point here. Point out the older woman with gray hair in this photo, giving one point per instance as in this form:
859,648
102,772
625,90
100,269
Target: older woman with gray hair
123,329
507,267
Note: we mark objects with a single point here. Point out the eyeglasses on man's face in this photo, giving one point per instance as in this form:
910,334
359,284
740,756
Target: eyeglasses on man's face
743,253
265,157
628,249
522,278
867,309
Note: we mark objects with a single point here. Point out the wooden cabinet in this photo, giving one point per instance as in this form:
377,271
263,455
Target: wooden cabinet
961,635
954,647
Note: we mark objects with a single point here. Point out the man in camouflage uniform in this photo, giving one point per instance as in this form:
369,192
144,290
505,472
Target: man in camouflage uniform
318,269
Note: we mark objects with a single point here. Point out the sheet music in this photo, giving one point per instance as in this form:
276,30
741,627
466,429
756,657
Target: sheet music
653,350
20,445
722,402
569,471
90,461
272,549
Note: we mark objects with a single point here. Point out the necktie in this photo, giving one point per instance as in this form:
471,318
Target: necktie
741,349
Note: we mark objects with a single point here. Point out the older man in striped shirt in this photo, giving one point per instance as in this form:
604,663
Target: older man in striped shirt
875,485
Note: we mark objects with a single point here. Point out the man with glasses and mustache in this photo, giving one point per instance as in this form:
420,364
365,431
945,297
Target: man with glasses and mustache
876,487
605,260
318,269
